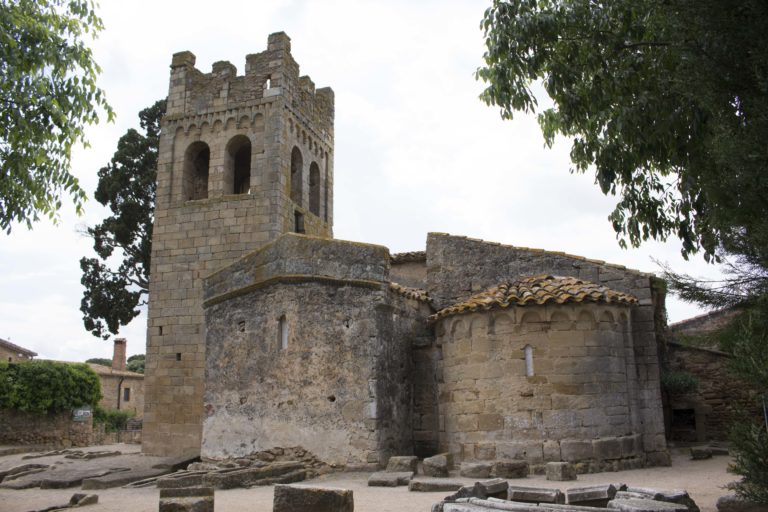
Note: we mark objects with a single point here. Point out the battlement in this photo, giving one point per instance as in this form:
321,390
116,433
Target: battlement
270,76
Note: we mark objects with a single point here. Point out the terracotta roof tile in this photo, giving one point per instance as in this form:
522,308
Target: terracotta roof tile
410,293
537,290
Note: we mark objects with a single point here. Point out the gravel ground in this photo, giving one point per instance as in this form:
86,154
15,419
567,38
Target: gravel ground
704,480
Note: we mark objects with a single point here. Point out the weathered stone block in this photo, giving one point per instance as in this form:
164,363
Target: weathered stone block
732,503
476,469
496,488
575,451
290,498
436,466
642,505
535,495
403,463
698,453
591,496
607,448
390,479
187,499
437,485
510,469
560,471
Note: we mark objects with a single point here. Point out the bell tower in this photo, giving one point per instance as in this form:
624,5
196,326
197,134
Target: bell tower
243,159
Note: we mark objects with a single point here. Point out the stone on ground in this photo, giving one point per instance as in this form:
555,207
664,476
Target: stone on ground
390,478
434,485
187,499
290,498
535,495
591,496
732,503
700,453
560,471
403,464
436,466
644,505
81,500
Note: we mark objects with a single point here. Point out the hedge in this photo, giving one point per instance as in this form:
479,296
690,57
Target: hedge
44,387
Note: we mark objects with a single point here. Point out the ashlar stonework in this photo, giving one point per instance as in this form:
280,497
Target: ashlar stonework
265,332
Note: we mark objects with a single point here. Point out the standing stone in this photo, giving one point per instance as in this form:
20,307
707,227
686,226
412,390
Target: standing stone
560,471
436,466
290,498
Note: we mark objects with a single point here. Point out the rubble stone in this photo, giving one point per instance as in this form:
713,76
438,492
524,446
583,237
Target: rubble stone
390,479
436,466
401,464
535,495
476,469
510,469
591,496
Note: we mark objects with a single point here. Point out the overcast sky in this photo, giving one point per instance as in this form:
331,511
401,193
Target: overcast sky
416,151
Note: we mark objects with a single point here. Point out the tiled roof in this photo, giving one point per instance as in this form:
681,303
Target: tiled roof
407,257
106,370
537,290
410,293
12,346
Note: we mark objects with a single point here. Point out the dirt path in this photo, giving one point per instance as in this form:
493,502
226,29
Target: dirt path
703,480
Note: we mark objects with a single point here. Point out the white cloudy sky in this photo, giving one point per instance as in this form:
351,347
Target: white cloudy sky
416,151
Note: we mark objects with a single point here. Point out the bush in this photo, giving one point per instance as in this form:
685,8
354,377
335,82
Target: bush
678,383
749,441
113,420
44,387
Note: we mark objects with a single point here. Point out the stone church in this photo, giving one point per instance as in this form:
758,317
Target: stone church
264,331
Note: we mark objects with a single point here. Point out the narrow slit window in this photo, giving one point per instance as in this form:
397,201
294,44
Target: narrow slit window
126,394
282,333
528,361
298,219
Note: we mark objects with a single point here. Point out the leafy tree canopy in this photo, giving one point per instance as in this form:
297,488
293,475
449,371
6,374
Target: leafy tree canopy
43,387
48,95
103,361
667,100
136,363
112,295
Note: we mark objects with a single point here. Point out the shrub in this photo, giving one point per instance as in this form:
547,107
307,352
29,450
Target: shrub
43,387
749,441
678,383
113,420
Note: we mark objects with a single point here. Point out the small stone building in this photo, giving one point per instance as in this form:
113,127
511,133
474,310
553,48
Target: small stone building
120,389
12,353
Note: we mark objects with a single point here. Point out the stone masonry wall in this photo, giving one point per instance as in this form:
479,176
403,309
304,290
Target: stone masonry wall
719,392
580,404
275,110
111,385
55,430
336,383
458,267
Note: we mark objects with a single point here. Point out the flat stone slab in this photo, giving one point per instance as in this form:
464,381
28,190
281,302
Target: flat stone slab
476,469
181,479
390,479
535,494
402,464
592,496
732,503
701,453
122,478
641,505
289,498
434,485
278,472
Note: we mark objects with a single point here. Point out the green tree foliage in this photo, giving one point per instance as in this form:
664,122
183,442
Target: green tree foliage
48,95
43,387
136,363
666,100
112,296
112,420
749,442
668,103
103,361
